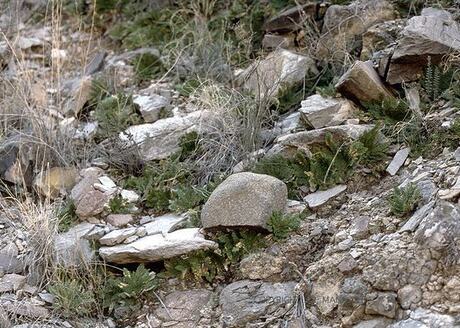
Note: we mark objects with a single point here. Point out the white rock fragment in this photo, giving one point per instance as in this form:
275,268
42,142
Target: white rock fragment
398,161
321,197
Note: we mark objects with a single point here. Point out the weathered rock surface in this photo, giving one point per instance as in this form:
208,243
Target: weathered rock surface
380,36
246,301
384,304
71,249
261,266
290,143
319,198
151,106
344,25
160,140
432,35
422,318
274,41
184,306
119,220
319,112
10,264
361,82
292,19
244,199
157,247
280,69
51,183
398,161
163,224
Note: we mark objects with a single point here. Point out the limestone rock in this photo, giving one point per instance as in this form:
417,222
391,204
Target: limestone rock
440,229
398,160
319,198
51,182
290,143
409,295
151,106
244,199
384,304
380,36
362,82
352,295
279,70
160,140
96,63
163,224
14,162
119,220
344,25
260,266
117,236
245,301
71,249
434,34
422,318
79,91
157,247
184,306
319,112
10,264
22,308
11,283
452,192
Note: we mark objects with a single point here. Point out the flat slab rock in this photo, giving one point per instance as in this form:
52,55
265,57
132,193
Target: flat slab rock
157,247
245,301
319,198
398,161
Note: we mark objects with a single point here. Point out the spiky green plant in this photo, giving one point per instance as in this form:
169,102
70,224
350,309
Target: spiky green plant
281,225
67,215
369,148
403,201
118,205
72,299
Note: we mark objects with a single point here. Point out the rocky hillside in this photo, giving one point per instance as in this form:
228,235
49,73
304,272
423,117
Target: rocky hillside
246,163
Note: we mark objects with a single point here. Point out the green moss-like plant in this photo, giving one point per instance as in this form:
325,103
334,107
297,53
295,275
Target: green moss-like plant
147,66
403,201
281,225
67,216
118,205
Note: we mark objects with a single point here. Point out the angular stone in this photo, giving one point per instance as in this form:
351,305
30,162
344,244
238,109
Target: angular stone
398,160
344,26
361,82
409,295
160,140
184,306
450,193
422,318
440,229
119,220
290,143
292,19
71,249
260,266
163,224
319,112
385,304
10,264
157,247
117,236
12,283
360,228
281,69
151,106
51,182
429,36
319,198
96,64
244,199
22,308
412,224
352,295
374,323
347,265
246,301
379,36
130,196
14,162
80,93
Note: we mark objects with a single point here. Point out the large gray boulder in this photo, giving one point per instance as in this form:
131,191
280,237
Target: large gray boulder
244,199
246,301
421,318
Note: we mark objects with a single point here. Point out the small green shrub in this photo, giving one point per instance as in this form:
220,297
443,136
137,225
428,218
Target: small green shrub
436,81
390,110
209,265
114,114
290,97
72,299
185,198
403,201
189,145
67,216
291,171
281,225
369,148
128,289
118,205
188,87
147,66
